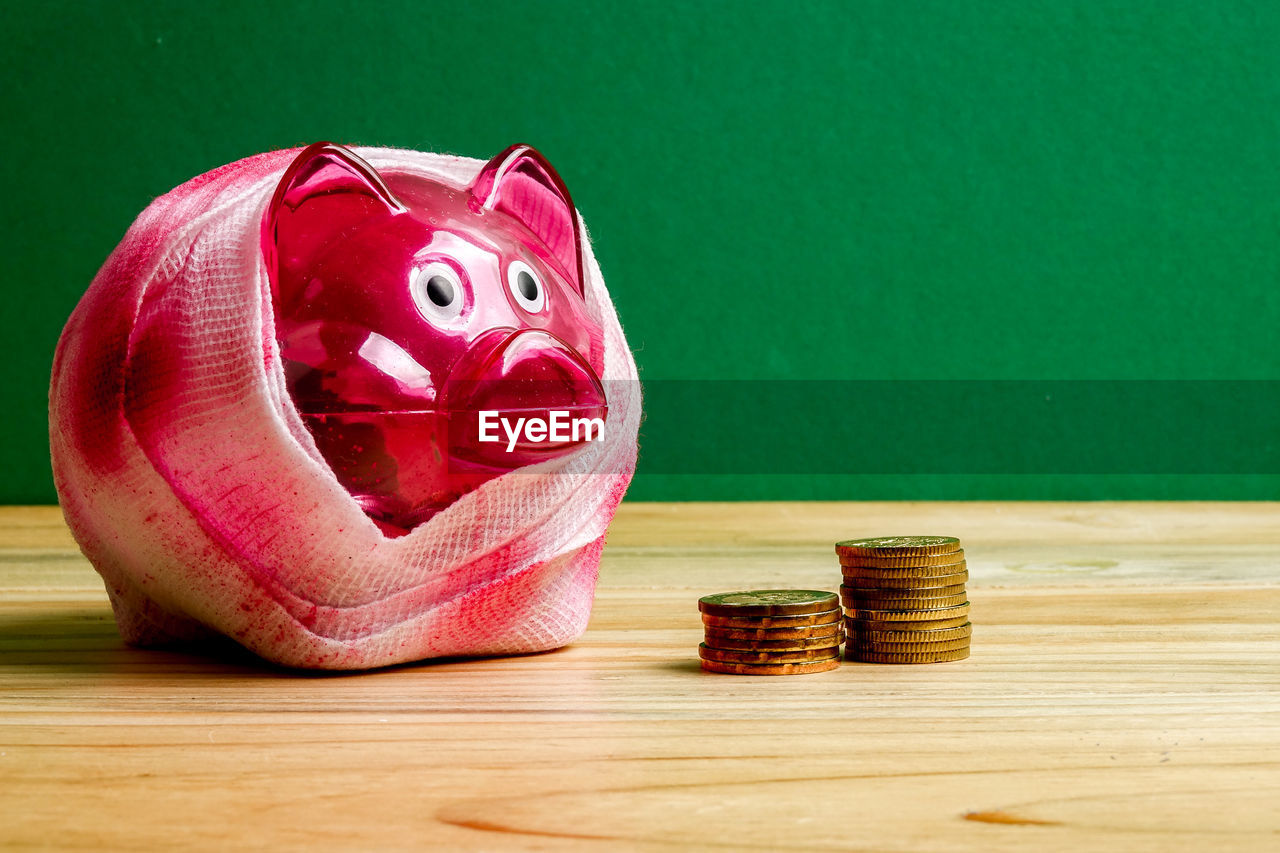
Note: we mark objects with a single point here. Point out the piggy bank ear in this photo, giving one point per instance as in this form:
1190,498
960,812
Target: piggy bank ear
323,193
521,183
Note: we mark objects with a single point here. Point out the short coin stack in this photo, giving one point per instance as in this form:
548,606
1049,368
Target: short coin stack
904,599
770,632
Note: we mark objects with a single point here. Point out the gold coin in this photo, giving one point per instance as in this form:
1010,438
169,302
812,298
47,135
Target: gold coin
903,582
909,615
743,656
916,561
923,624
771,668
853,624
899,546
879,594
855,634
925,605
907,657
792,645
936,569
862,645
828,630
824,617
768,602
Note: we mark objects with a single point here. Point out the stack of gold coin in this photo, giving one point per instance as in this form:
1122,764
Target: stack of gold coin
904,599
770,632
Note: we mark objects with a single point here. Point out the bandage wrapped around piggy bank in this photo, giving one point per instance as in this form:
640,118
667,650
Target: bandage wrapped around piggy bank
349,408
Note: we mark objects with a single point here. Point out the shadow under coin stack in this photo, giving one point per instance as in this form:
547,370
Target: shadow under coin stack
770,632
904,599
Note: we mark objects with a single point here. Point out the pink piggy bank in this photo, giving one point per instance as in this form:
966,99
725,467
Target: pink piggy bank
348,408
432,337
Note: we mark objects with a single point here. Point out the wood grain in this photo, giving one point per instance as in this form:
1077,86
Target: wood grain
1123,694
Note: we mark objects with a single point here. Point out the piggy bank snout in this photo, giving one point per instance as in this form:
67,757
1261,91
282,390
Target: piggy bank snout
511,370
528,389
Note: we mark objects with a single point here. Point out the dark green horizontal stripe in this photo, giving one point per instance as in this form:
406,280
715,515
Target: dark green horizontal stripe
961,427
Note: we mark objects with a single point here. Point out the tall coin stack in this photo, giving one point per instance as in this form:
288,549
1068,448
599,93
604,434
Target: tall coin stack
770,632
904,599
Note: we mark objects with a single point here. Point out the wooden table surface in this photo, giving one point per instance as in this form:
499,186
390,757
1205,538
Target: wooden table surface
1123,694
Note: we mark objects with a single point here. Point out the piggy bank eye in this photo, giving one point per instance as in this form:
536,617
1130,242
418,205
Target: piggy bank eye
526,287
437,291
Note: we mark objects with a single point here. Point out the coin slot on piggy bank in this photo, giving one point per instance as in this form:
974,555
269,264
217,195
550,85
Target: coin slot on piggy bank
417,320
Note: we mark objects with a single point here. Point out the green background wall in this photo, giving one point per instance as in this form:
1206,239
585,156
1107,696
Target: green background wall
777,191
